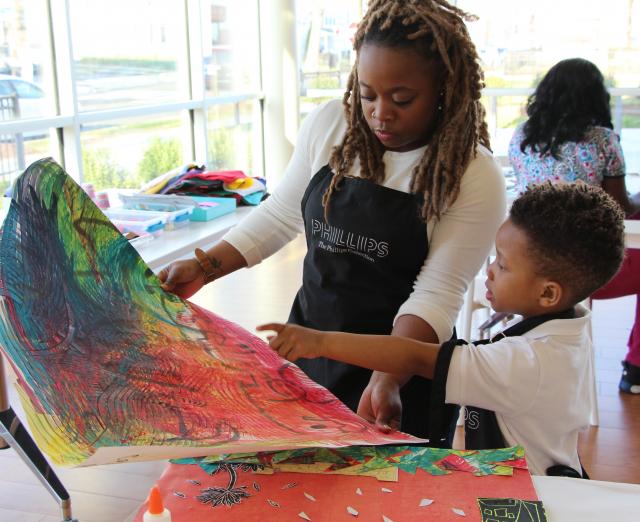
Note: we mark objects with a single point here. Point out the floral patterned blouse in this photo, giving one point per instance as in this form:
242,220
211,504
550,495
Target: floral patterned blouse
599,155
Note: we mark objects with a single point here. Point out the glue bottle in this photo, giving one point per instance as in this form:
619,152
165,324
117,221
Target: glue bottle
156,512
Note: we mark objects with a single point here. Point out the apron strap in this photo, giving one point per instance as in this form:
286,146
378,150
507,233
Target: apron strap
442,415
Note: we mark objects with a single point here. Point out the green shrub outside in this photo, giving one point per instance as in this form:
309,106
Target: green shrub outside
221,153
103,172
161,156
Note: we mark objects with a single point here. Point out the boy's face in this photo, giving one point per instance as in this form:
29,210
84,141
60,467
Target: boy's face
512,283
399,91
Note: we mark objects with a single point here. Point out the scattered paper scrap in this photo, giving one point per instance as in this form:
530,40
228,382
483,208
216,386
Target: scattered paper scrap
459,512
290,485
194,482
358,491
179,494
273,503
302,514
386,519
310,497
352,511
426,502
386,490
256,486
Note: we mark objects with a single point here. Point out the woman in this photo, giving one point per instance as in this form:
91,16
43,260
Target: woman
399,198
569,137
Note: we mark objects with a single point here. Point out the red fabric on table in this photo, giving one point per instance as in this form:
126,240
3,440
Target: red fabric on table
226,176
333,493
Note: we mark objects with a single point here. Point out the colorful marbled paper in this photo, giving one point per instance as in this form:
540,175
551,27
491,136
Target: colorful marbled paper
112,368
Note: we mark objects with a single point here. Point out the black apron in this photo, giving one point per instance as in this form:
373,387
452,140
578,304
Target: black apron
481,427
359,268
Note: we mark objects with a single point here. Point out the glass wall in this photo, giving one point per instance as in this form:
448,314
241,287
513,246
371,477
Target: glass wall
233,136
517,43
325,30
26,85
120,91
129,152
126,53
230,39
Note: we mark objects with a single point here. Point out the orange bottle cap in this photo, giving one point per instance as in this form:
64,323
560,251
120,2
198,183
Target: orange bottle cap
155,501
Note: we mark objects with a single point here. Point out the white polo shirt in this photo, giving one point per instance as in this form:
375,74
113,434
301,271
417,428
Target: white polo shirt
537,385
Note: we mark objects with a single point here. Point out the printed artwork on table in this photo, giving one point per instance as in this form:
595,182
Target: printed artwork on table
382,463
111,368
511,510
240,491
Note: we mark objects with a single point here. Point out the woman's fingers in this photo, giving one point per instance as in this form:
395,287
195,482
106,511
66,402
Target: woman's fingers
163,275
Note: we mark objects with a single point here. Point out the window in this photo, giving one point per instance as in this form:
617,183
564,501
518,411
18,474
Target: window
139,86
230,60
120,58
519,42
325,30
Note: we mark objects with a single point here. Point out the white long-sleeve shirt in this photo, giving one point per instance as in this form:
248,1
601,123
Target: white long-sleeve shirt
458,243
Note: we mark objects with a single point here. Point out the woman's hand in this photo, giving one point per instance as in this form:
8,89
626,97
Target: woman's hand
380,402
294,342
183,278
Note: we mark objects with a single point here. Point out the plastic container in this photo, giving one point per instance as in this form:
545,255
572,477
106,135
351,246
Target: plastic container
203,208
135,221
172,220
156,202
176,210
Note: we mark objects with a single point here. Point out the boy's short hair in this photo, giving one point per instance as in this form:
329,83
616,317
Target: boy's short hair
575,232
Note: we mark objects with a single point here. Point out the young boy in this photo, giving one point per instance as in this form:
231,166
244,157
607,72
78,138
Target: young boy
529,385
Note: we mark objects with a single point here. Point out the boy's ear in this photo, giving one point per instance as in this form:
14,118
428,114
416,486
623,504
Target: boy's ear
551,294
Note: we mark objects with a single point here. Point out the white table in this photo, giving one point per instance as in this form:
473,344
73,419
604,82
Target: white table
573,500
174,244
632,234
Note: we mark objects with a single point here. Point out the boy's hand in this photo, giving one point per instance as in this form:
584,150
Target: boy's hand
294,342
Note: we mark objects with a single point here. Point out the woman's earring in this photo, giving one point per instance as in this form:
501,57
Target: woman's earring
440,101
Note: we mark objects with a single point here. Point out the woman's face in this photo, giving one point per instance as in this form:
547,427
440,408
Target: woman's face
399,91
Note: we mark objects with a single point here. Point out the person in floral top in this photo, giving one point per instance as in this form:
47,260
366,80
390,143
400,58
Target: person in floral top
596,156
569,138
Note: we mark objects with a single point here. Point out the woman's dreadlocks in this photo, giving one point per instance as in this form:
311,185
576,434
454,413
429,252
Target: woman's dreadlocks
435,29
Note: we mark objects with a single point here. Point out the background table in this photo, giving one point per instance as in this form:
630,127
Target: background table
632,233
572,500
